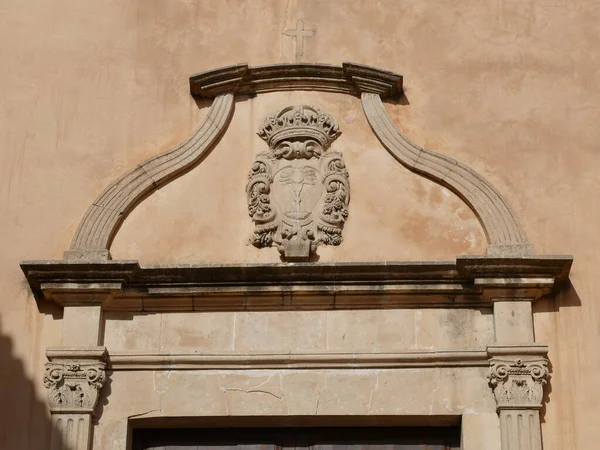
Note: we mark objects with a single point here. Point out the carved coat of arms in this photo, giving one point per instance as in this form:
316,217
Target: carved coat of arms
298,191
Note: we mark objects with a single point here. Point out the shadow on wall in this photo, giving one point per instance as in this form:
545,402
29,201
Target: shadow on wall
564,297
25,422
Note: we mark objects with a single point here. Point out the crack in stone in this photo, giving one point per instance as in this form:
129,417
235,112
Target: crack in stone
435,391
253,391
143,413
256,390
376,387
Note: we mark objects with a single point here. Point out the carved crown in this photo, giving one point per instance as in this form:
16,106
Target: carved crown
299,121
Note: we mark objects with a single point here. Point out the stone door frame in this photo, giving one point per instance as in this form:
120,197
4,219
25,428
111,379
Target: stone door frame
507,280
517,366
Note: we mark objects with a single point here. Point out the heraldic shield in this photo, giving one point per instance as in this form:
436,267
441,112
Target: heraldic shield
298,191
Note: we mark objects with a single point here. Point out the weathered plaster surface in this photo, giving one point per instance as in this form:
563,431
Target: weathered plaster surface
92,89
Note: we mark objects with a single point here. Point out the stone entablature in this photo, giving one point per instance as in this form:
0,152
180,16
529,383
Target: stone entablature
127,286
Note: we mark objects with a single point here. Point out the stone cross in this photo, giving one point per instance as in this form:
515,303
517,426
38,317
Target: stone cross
299,34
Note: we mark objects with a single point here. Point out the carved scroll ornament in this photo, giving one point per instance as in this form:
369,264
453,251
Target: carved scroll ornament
298,192
518,384
74,386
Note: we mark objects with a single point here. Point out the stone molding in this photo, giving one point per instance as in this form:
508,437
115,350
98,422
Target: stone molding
98,227
518,375
504,234
251,361
127,286
74,378
298,191
350,78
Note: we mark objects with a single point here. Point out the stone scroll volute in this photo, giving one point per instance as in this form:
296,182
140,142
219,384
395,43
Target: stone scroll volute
298,191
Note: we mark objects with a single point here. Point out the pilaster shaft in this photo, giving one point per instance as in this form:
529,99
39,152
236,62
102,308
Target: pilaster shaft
71,431
520,429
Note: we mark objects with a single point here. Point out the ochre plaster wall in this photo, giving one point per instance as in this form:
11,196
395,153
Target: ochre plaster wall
90,89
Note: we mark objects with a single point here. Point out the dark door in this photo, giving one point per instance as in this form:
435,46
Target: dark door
367,438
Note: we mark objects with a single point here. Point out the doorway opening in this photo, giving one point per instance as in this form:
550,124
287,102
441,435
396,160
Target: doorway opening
301,438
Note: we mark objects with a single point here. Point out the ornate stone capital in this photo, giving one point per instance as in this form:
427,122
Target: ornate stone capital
518,382
298,192
74,378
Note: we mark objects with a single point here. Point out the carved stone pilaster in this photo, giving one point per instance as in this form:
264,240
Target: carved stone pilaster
74,378
518,383
517,377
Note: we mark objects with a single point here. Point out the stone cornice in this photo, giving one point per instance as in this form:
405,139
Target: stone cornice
125,285
350,78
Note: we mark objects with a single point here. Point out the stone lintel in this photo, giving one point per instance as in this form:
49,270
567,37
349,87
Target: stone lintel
350,78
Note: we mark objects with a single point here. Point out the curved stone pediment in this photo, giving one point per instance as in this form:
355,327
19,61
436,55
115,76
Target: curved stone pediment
100,224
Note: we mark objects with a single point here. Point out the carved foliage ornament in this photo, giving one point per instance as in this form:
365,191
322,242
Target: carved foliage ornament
298,192
517,383
74,386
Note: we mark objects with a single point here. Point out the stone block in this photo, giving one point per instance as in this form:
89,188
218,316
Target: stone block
131,332
454,328
81,326
197,332
371,330
513,322
281,331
